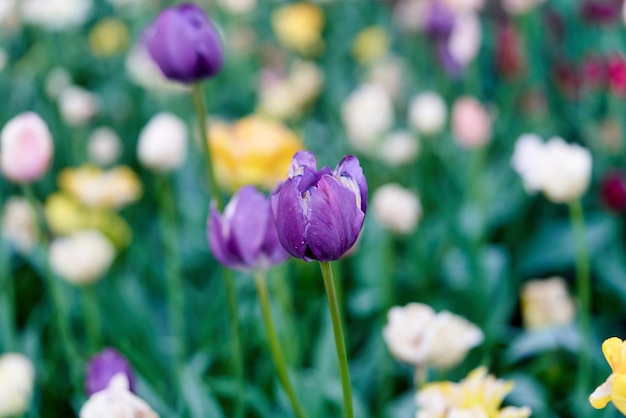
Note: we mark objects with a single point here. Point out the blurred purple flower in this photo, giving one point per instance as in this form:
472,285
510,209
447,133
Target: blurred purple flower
103,366
613,189
244,237
451,66
184,43
440,20
601,11
319,213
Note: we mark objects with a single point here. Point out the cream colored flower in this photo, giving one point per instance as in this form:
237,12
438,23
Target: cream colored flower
415,334
428,113
238,7
163,143
19,224
104,146
113,188
411,15
560,170
17,376
116,401
56,14
367,114
57,80
466,38
388,73
144,72
77,105
546,303
479,395
399,148
81,258
396,208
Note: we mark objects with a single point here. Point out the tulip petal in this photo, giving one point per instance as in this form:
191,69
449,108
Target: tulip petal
271,247
290,217
349,166
248,223
602,395
217,241
302,160
619,392
612,349
334,220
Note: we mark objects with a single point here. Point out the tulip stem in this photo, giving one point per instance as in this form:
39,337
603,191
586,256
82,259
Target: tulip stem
272,336
55,291
583,290
342,357
198,100
7,297
92,318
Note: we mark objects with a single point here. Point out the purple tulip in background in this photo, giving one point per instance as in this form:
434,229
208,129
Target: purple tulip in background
185,44
244,237
319,213
103,366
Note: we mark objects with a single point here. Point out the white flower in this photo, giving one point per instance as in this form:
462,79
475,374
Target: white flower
367,114
17,376
7,10
238,6
466,38
19,224
546,303
56,14
399,148
163,143
57,80
396,208
116,401
389,74
428,113
560,170
81,258
415,334
77,105
411,15
104,146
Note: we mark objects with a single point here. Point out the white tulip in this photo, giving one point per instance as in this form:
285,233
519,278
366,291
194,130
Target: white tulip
163,143
399,148
19,224
546,303
77,105
567,172
116,401
428,113
82,258
17,376
56,14
396,208
104,146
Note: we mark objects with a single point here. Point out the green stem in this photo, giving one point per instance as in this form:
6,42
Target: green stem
583,290
198,101
7,297
173,276
92,318
342,357
272,337
229,282
55,291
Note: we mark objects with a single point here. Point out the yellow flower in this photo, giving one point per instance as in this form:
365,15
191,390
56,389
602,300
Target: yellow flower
478,395
65,216
370,44
298,26
546,303
614,389
253,150
94,187
108,37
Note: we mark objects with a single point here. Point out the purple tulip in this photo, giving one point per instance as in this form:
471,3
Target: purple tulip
319,213
244,237
103,366
439,21
185,44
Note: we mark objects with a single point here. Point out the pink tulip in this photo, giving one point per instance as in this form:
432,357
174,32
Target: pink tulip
471,124
26,148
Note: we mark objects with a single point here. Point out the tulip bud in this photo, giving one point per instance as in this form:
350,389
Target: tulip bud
26,148
185,44
19,224
319,213
546,303
244,236
116,401
103,367
78,106
396,208
82,258
428,113
17,376
614,191
104,146
471,124
163,143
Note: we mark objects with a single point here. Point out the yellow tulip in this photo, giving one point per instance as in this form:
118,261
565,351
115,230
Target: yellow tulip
253,150
370,45
298,26
614,388
108,37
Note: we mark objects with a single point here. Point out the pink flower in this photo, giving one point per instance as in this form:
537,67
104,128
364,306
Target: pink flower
471,124
617,74
26,148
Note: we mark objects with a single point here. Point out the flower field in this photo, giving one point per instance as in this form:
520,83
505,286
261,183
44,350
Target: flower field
252,208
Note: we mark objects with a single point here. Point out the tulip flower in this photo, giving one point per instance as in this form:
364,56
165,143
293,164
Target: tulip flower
185,44
613,189
26,148
163,143
17,376
614,389
116,401
103,367
244,236
319,213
